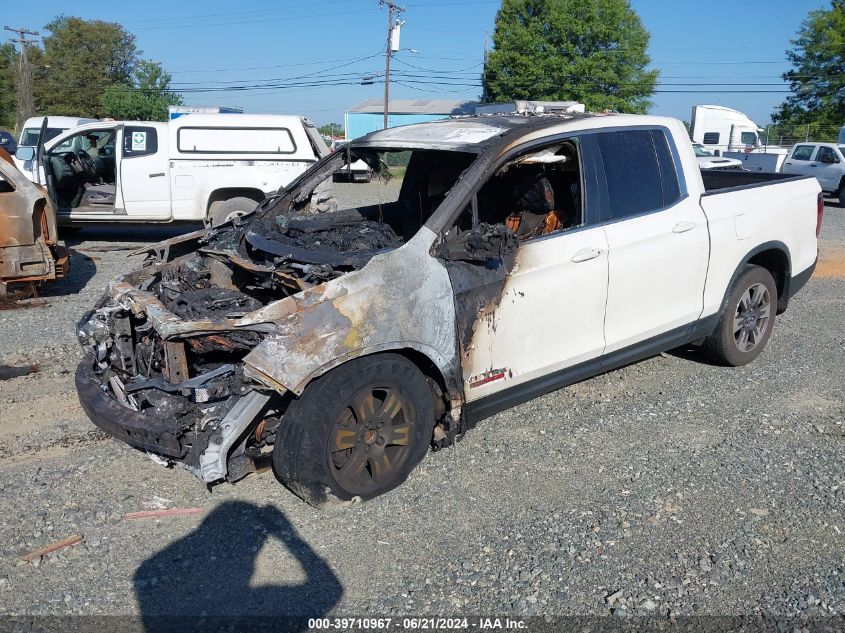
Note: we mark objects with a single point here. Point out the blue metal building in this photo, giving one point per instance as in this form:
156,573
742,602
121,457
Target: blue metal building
368,116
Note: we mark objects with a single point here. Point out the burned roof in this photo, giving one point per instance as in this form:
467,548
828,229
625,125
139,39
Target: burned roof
462,133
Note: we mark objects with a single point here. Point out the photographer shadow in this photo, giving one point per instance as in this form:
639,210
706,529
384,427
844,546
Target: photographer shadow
202,581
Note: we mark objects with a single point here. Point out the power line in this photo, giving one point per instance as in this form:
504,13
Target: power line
261,21
195,16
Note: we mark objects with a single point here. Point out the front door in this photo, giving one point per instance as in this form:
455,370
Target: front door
525,318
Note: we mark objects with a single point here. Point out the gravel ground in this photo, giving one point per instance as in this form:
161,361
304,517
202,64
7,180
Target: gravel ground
669,487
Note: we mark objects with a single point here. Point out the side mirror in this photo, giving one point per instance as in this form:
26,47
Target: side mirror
483,243
25,153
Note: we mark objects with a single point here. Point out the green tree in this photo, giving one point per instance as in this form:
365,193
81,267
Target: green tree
145,99
817,78
8,70
80,60
592,51
331,129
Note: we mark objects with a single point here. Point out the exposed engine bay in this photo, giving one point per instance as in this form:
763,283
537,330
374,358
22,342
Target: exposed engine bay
166,345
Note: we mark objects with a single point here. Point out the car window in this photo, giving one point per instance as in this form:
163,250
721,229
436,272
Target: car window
826,154
534,194
632,172
670,179
139,141
5,185
748,138
29,136
701,151
711,138
94,142
803,152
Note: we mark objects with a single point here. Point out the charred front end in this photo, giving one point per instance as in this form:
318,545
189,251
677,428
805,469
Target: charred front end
165,347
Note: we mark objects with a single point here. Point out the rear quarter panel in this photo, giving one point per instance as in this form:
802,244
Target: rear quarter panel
742,219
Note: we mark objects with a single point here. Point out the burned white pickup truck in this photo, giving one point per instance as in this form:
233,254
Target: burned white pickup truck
516,255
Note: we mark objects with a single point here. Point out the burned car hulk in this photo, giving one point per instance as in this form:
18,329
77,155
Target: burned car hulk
30,251
516,255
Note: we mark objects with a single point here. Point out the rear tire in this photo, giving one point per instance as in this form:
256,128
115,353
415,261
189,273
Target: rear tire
841,195
222,211
746,323
356,432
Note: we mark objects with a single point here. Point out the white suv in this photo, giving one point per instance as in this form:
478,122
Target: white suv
825,161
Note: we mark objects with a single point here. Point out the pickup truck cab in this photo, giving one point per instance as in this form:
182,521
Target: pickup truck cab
517,255
824,161
196,168
32,131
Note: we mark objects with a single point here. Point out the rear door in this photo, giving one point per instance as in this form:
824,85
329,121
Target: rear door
144,173
828,168
657,239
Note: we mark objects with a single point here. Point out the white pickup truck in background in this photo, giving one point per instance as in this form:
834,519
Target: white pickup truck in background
196,168
824,161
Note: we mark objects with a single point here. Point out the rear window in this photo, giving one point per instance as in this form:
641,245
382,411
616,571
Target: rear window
139,141
231,140
639,171
30,135
827,154
711,138
803,152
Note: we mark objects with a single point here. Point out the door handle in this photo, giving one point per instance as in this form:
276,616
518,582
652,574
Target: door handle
683,227
790,164
586,254
813,165
159,175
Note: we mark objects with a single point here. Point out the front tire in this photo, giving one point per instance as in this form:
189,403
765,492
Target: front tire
746,323
356,432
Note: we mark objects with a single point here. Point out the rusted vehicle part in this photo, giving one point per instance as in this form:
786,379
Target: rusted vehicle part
30,252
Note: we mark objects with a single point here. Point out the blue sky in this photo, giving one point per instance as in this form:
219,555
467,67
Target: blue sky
217,43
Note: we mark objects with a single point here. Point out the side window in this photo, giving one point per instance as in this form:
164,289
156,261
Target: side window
632,172
139,141
711,138
827,155
5,185
803,152
748,138
534,194
669,177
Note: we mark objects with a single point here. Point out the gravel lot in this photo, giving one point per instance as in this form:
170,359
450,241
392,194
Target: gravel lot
668,487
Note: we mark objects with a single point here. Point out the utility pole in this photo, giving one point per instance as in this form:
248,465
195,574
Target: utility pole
26,106
484,73
392,9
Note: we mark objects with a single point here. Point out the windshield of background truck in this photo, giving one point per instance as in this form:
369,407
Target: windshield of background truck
700,151
29,137
748,138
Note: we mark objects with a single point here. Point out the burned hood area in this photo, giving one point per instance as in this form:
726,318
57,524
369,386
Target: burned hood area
166,346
